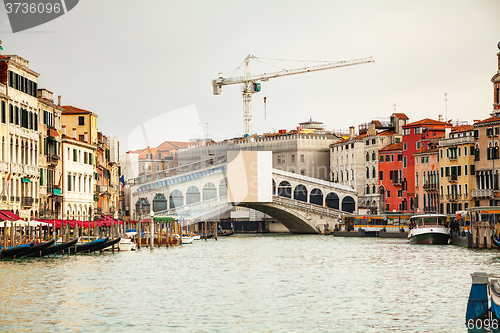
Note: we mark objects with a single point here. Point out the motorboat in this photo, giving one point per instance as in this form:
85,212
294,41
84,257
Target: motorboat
429,229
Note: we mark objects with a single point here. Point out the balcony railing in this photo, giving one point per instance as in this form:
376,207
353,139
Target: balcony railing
53,159
430,186
485,193
452,178
453,197
101,189
453,157
26,201
53,190
430,209
397,181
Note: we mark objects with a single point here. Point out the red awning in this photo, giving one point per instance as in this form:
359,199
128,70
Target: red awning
10,215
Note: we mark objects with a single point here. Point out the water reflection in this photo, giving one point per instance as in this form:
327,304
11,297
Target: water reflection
245,283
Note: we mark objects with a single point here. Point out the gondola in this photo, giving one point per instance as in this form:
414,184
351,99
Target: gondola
62,248
87,247
37,248
16,251
109,243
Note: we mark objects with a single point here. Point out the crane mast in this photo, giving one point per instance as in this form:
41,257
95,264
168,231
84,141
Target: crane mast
251,86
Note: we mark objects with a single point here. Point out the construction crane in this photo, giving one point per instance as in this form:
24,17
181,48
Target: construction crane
250,83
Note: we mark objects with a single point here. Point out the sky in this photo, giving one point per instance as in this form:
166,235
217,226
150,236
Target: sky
145,67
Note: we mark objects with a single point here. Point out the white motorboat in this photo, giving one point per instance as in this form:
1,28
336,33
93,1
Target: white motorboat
429,229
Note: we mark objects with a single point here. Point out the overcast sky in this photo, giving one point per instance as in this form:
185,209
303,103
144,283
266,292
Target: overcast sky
134,62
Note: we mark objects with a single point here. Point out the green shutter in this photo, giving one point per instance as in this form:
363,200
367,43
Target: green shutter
41,177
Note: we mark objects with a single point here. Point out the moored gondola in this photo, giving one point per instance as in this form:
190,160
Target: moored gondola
59,248
109,243
37,248
87,247
16,251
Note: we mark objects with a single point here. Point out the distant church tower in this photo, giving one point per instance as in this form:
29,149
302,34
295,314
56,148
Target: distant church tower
496,87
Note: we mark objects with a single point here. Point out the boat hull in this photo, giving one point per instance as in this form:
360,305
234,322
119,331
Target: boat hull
127,244
429,236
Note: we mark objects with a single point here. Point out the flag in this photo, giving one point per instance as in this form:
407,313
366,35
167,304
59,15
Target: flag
6,186
122,181
60,180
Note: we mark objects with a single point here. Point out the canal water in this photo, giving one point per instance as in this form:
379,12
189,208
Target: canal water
247,283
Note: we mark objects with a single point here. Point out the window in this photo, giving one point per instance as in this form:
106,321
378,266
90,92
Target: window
459,151
85,157
392,158
404,145
416,179
81,137
465,150
406,131
418,144
293,158
441,153
400,193
418,130
442,172
465,170
69,182
374,173
3,117
381,158
373,141
398,140
75,156
302,158
476,133
373,156
400,157
388,193
404,162
381,175
81,121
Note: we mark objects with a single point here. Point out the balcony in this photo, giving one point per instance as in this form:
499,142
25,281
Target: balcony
453,197
431,187
101,189
53,159
452,178
485,193
26,201
430,210
53,190
453,157
397,181
456,141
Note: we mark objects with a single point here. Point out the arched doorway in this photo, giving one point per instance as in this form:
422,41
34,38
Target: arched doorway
332,200
300,193
176,199
348,204
192,195
316,197
285,189
209,191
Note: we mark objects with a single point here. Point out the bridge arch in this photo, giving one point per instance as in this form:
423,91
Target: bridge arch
285,189
192,195
332,200
300,193
316,197
209,191
348,204
175,199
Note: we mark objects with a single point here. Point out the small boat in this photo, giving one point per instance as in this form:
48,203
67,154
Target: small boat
37,248
187,239
226,232
62,248
429,229
107,244
15,251
196,237
495,298
127,244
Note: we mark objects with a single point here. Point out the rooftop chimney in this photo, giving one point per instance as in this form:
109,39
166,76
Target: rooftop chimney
351,132
447,131
86,137
59,100
64,130
440,117
74,133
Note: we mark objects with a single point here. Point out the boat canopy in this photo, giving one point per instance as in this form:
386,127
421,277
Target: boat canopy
429,219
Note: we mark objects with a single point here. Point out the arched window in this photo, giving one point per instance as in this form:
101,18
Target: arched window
316,197
332,200
176,199
348,204
223,188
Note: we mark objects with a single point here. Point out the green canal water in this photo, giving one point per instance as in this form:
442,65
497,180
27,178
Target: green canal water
246,283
